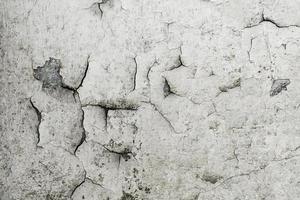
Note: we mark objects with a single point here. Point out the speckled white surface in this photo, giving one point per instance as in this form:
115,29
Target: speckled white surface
150,99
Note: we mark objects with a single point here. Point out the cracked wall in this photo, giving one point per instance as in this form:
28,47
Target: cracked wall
138,99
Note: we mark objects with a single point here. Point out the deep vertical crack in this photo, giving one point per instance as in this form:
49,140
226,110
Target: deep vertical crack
135,73
180,60
85,72
97,6
250,49
83,136
39,115
105,117
100,9
167,88
236,155
150,68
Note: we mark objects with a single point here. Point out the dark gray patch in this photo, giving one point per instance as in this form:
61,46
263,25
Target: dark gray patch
49,73
234,84
125,154
105,1
39,116
167,89
179,63
83,136
223,89
211,178
135,73
96,9
279,85
127,196
147,190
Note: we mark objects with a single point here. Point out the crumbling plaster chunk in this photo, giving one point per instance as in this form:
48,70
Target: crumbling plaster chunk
59,109
95,124
63,130
101,166
117,77
50,172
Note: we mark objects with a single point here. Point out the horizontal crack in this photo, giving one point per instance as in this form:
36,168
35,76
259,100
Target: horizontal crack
249,172
266,19
232,177
112,107
125,153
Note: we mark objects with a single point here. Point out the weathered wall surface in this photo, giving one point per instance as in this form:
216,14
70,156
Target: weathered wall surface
150,99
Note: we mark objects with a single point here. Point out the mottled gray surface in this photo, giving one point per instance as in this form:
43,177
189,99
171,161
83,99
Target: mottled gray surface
150,99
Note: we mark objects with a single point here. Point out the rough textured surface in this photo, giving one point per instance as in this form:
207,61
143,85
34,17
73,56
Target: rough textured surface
150,99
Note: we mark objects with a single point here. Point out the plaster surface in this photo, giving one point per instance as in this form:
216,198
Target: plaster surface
150,99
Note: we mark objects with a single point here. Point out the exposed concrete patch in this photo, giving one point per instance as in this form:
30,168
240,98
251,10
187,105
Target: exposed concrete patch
278,85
